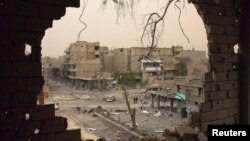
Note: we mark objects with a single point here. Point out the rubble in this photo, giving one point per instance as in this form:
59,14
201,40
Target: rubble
202,137
186,132
91,129
158,114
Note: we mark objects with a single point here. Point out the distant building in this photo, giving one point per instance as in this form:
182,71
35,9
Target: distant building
83,59
52,67
192,87
84,65
151,69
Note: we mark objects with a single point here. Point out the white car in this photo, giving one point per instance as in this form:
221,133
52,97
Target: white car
110,98
85,97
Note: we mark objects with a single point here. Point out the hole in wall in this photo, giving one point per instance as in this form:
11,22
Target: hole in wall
236,48
27,116
37,131
198,67
27,50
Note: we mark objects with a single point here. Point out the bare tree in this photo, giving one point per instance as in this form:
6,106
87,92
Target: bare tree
152,29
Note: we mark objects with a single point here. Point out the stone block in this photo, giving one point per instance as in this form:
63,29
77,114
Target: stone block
186,131
70,135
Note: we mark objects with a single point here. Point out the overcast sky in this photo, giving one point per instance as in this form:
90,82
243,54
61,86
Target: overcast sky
103,27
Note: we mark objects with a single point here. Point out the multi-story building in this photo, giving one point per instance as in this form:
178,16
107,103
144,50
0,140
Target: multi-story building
79,56
192,87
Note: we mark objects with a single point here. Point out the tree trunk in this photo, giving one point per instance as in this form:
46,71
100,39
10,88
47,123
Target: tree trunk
132,114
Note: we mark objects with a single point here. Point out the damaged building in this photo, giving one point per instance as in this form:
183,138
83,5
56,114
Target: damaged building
24,22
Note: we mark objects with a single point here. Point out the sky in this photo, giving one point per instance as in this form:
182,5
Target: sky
103,27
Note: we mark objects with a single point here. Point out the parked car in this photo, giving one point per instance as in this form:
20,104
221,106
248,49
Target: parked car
85,97
110,98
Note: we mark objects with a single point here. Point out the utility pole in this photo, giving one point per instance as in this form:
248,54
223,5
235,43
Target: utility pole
131,113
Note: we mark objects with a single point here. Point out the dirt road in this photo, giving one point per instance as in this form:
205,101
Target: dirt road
74,103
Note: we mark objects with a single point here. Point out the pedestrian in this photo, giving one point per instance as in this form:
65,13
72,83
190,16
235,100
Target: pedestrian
136,99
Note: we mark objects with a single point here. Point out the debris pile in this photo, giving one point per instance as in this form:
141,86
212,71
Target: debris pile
181,133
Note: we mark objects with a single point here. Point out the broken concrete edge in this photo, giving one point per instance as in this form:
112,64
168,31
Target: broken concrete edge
189,132
118,125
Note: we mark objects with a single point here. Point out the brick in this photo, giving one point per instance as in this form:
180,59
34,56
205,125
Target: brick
12,84
218,95
52,11
229,120
73,3
57,124
35,84
208,116
71,135
228,21
214,29
5,69
37,24
18,114
23,8
223,39
48,137
204,125
220,76
231,12
221,67
221,95
225,48
4,25
234,102
7,132
186,131
231,85
217,105
5,100
23,99
209,9
234,58
232,30
233,93
237,4
4,35
233,75
11,116
26,129
211,19
233,111
24,69
210,87
218,58
209,76
226,3
223,113
202,137
42,112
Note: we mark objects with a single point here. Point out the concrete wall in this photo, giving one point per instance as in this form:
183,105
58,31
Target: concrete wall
88,68
121,59
108,60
